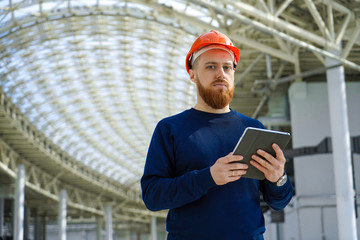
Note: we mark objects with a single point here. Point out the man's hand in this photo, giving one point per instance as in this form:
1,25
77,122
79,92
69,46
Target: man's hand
272,167
223,171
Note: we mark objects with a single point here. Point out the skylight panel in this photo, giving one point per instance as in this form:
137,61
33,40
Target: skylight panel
99,91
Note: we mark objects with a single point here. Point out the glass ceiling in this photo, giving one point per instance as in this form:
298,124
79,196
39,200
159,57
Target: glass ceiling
95,76
96,85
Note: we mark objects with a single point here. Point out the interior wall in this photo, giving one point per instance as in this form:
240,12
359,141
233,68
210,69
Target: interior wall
314,210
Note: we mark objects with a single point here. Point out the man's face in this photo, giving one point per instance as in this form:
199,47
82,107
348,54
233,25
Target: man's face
213,73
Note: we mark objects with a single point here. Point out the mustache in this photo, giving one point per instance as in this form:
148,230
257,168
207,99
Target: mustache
220,81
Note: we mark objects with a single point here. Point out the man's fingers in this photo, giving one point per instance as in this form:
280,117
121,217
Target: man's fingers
228,169
278,151
261,161
265,155
230,158
234,162
272,167
238,166
237,173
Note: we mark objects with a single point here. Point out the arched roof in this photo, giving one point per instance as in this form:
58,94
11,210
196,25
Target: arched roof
95,76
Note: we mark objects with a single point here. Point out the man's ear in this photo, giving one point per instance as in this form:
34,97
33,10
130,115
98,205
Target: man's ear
192,75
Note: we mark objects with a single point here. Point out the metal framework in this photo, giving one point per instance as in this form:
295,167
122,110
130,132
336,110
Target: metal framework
50,170
83,83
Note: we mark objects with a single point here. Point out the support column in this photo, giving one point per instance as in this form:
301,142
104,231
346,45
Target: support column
269,73
43,229
128,234
37,226
19,204
153,229
26,223
2,211
108,223
98,228
341,151
62,215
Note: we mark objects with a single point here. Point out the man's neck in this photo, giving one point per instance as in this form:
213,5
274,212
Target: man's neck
206,108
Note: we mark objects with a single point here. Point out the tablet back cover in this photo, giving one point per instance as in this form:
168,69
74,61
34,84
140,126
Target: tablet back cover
257,138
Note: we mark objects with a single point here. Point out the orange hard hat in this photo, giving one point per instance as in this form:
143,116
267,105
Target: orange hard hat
209,38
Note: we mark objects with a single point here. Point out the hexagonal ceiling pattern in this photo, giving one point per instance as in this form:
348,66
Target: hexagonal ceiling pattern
96,76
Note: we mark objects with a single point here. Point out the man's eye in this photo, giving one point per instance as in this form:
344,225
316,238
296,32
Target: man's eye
227,68
211,67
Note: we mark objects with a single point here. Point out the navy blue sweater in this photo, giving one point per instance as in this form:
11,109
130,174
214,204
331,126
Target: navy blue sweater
177,177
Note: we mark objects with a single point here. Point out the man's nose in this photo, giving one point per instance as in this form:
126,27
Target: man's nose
220,72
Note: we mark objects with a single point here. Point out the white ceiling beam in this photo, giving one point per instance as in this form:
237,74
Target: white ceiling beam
281,9
351,42
274,21
320,57
264,6
341,33
330,20
261,27
318,19
284,46
264,99
249,42
280,70
337,6
271,6
293,77
57,156
249,68
262,47
272,31
269,73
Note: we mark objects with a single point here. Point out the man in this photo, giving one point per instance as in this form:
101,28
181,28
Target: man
189,167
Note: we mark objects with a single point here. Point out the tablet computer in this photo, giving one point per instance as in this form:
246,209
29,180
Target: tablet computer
257,138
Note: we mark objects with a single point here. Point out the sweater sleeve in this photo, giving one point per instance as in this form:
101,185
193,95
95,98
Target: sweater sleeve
277,197
161,188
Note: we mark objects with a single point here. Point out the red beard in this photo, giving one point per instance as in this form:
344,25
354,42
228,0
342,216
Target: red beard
215,98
